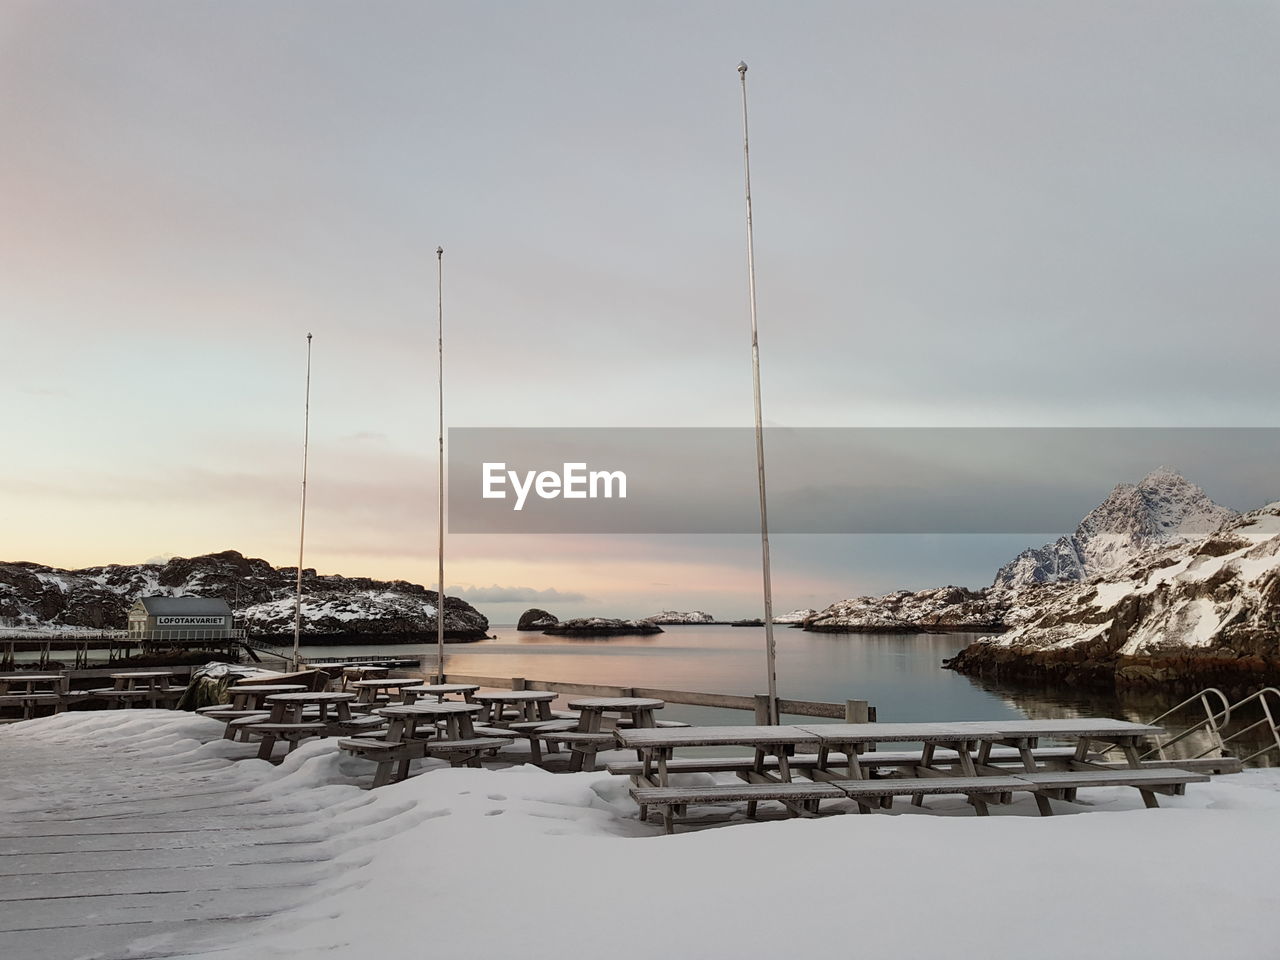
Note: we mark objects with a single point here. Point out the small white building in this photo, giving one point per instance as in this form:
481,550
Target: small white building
179,619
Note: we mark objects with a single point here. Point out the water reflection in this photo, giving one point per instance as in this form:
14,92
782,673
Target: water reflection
900,674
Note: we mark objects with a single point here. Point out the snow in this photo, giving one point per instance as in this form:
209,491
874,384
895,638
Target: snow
519,862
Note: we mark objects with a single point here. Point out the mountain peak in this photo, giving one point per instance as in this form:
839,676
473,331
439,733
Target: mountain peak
1164,507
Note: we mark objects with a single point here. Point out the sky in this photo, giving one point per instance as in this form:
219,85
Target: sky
980,214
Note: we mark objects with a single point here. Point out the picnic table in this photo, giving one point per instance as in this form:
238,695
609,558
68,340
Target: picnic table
526,705
247,700
440,691
843,752
638,710
28,690
139,685
370,691
1084,732
592,731
405,739
286,721
657,744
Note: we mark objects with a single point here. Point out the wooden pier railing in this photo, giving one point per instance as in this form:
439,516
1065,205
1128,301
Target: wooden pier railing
850,711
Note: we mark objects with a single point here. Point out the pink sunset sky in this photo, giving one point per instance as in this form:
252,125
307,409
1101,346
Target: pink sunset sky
986,214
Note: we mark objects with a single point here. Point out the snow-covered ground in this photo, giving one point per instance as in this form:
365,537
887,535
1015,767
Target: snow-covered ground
103,813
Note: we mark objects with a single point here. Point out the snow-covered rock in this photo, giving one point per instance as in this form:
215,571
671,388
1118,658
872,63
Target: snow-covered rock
601,627
945,608
1202,613
795,616
1161,509
535,619
671,617
37,597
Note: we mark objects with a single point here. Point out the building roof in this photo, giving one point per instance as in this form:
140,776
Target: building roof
186,606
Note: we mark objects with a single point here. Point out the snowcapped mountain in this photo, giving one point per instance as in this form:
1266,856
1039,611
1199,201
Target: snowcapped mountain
1163,508
33,596
1204,612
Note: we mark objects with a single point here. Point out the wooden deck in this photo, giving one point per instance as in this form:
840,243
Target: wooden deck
135,842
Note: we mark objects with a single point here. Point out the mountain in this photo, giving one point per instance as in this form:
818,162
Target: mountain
33,596
1193,614
1163,508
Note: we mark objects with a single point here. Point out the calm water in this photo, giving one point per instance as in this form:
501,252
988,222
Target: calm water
900,674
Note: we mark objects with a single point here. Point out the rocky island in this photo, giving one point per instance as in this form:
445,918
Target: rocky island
335,609
535,619
674,618
601,627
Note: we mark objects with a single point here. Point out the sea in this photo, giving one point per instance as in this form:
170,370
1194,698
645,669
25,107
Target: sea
901,675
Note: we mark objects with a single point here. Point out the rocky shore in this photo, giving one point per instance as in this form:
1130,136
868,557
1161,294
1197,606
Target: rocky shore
335,609
1187,615
602,627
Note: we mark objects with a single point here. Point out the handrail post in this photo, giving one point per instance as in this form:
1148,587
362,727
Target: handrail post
762,709
857,711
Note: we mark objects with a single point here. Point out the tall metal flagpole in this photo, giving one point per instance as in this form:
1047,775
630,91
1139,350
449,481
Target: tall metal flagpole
302,523
440,468
770,650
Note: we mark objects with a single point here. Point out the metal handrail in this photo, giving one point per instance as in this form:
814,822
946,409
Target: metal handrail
1268,718
1215,723
1212,722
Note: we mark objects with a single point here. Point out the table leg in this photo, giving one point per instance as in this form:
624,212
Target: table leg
1130,748
269,739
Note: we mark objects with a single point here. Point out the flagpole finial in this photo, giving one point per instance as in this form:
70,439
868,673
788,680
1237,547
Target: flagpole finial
742,66
308,336
439,252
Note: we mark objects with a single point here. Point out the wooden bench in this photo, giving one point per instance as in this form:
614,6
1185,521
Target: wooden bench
394,756
387,754
800,798
1215,765
975,788
583,745
291,733
238,721
29,701
870,761
1173,782
464,752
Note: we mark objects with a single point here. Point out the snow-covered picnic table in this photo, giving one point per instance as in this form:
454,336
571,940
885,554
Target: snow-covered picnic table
149,686
406,739
378,689
440,691
525,705
844,758
592,731
287,722
29,690
247,700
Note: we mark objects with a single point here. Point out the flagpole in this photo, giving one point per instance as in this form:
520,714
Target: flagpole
770,649
302,523
440,467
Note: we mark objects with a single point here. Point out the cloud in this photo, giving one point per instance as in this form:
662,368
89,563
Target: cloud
497,594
